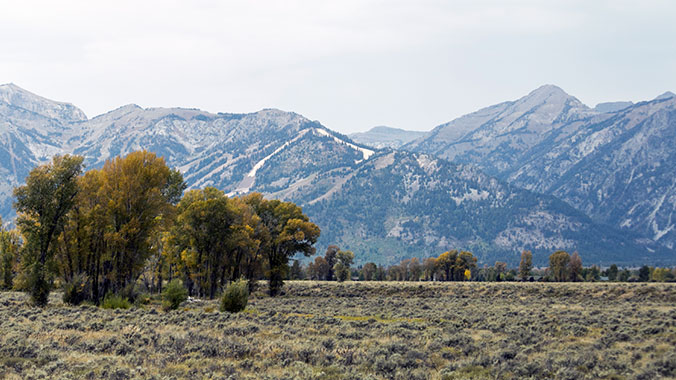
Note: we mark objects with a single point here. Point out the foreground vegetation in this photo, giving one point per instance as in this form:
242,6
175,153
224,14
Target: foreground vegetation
96,233
356,330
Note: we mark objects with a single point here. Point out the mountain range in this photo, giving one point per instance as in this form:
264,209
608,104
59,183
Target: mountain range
617,167
519,175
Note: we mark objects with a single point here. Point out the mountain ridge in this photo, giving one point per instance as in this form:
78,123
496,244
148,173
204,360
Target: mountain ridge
386,203
573,155
385,137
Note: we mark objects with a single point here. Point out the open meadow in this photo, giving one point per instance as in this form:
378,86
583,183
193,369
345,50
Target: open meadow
356,330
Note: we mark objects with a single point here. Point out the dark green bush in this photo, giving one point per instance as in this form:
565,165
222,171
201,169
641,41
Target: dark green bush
76,290
235,297
115,301
174,294
143,299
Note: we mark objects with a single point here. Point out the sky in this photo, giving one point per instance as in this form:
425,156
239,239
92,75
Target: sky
350,64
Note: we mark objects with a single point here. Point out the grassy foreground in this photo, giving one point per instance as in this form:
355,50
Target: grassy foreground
320,330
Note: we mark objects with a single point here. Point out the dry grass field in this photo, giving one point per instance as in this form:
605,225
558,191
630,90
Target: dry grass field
357,330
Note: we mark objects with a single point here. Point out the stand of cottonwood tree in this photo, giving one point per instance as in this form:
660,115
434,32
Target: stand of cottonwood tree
103,230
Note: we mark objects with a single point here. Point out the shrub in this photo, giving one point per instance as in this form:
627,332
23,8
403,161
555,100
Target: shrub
115,301
235,297
129,292
38,285
75,291
143,299
174,294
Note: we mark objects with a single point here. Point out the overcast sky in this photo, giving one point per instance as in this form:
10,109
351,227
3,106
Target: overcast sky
350,64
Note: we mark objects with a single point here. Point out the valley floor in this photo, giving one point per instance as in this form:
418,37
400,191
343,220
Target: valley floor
358,330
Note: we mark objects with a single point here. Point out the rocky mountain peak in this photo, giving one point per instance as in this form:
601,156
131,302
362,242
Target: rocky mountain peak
666,95
550,94
549,90
18,97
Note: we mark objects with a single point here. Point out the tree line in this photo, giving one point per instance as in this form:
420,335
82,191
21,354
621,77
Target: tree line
562,268
103,231
451,265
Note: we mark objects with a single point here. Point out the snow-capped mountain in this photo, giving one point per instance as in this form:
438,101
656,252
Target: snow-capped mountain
32,130
616,163
498,137
385,205
620,170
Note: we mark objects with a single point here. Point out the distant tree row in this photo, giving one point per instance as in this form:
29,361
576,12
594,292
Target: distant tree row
102,231
334,265
449,266
562,267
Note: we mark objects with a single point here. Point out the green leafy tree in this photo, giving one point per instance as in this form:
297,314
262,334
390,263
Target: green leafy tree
465,265
644,273
251,238
624,275
612,272
661,275
381,273
526,265
395,273
344,260
76,290
331,260
289,232
415,269
500,270
114,231
296,271
558,265
430,268
10,242
592,274
137,191
204,232
446,263
369,271
42,205
404,267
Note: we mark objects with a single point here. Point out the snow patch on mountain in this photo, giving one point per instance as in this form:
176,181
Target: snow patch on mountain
366,153
384,161
247,183
472,195
427,163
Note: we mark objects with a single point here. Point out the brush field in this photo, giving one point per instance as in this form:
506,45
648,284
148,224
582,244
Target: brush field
356,330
